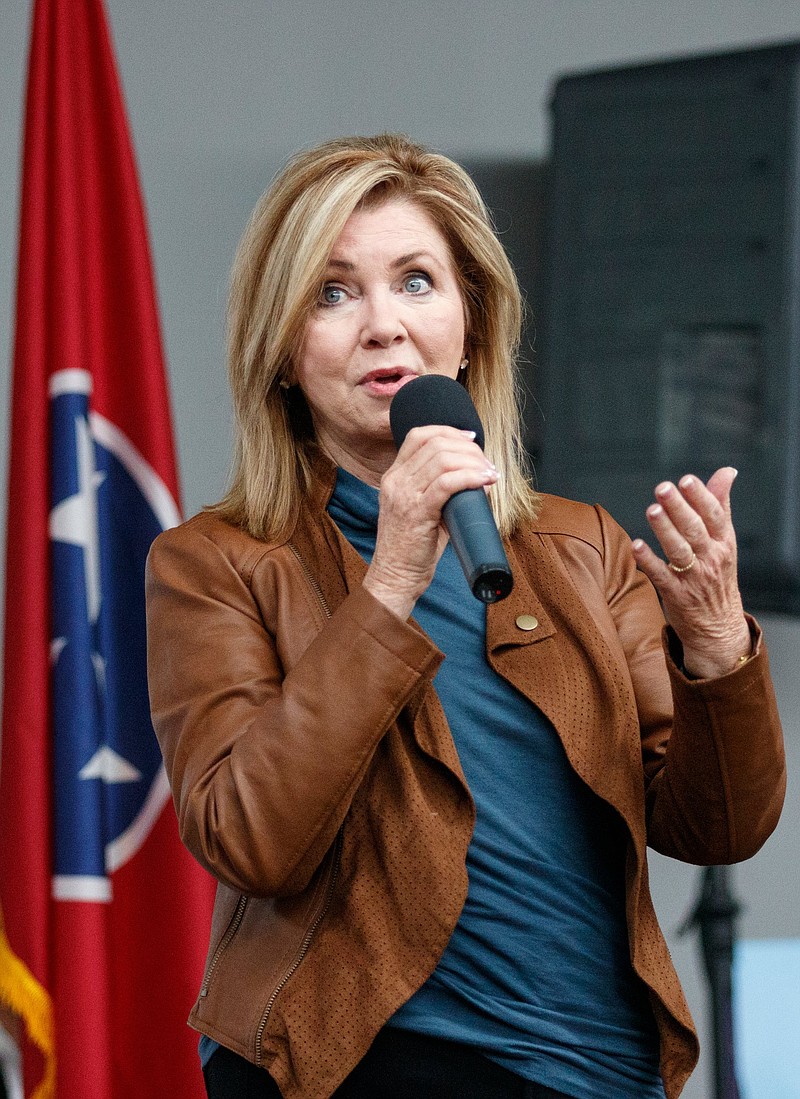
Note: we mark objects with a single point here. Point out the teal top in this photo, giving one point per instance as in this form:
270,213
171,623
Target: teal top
537,974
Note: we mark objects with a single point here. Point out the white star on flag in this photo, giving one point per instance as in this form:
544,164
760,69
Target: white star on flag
74,520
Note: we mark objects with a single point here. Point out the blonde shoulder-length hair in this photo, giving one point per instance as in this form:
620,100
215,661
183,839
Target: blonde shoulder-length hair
275,283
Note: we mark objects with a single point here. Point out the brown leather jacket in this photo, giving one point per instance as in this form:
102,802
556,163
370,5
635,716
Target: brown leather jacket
315,776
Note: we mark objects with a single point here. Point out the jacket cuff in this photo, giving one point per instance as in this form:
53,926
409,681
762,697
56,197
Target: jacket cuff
673,650
404,640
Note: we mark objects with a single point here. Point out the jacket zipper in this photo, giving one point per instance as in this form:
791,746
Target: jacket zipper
233,927
312,580
334,872
305,944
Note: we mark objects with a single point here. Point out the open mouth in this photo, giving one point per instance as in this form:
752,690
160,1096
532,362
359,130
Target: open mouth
386,381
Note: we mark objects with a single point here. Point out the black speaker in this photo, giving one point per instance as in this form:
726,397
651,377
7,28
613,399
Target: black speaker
672,300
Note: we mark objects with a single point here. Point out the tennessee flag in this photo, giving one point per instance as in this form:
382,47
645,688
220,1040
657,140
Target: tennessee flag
106,916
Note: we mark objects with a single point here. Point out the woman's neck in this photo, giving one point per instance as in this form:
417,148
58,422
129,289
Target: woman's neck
368,466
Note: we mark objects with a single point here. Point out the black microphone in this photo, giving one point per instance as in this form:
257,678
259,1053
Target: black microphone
435,399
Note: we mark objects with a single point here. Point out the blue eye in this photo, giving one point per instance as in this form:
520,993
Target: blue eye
331,294
418,283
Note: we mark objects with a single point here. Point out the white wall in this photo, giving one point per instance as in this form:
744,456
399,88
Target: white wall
220,93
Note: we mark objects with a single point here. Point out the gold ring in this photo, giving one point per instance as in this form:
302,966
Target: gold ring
683,568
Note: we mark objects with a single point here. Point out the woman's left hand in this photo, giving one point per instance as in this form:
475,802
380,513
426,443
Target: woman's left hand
698,582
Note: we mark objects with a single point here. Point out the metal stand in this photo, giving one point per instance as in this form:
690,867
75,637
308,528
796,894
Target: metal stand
715,914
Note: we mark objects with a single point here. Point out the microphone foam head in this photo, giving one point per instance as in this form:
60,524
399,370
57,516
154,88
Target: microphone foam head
433,399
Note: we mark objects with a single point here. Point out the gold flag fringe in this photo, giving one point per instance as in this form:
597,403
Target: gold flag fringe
26,998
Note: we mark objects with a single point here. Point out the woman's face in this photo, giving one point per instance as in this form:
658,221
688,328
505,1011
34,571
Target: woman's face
390,309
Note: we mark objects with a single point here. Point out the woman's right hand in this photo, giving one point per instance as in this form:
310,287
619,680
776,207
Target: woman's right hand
432,465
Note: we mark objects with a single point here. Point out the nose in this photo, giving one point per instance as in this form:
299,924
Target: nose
382,321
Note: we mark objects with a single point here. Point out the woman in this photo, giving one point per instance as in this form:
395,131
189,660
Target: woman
428,818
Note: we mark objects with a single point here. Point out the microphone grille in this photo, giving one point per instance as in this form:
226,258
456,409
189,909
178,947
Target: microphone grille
433,399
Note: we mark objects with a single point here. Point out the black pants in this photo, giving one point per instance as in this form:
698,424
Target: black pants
398,1065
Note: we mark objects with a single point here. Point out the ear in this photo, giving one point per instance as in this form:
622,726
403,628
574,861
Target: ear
286,376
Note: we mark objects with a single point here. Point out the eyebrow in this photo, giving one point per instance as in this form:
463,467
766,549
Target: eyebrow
401,261
410,257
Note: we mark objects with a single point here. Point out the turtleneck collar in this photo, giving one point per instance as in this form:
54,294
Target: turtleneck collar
354,504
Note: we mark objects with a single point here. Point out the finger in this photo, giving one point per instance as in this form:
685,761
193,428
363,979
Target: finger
419,487
418,437
432,470
654,568
429,457
448,481
673,540
712,512
418,450
720,484
683,516
713,507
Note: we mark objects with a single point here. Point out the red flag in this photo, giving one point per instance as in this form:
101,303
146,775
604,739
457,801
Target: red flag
106,916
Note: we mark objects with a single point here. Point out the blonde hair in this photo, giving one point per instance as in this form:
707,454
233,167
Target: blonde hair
275,283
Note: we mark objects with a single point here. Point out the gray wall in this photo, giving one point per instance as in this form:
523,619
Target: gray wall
219,94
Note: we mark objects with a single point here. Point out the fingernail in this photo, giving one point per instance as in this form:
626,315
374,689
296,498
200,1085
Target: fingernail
655,510
469,434
637,544
735,473
687,482
663,491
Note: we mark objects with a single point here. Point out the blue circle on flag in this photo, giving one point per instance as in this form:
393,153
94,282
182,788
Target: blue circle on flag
105,754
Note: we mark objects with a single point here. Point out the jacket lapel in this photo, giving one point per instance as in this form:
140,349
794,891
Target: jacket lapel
566,668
